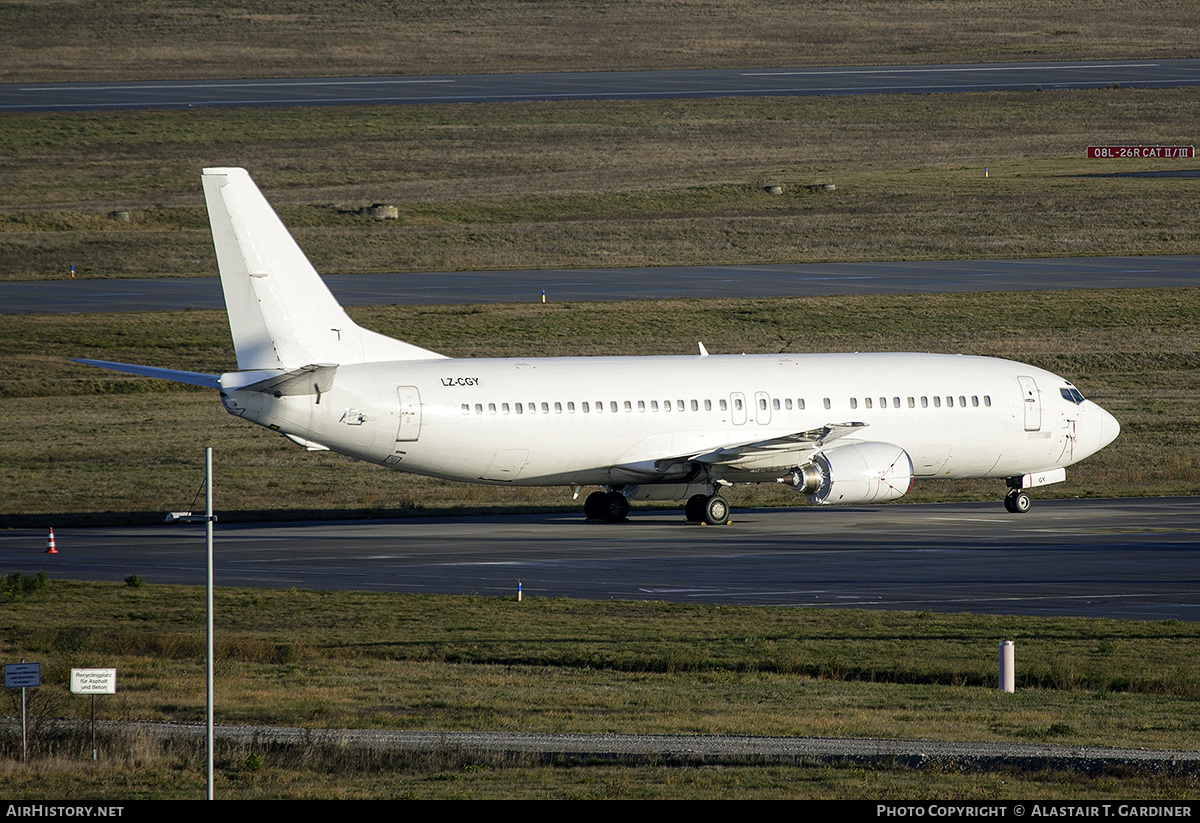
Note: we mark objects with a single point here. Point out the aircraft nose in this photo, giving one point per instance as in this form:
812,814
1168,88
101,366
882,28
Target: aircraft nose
1109,428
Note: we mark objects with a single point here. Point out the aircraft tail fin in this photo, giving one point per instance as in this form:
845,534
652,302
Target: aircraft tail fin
281,314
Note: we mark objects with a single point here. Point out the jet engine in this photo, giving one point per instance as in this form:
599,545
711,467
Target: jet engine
854,473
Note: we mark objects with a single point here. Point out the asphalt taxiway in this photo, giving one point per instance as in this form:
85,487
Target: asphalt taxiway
563,285
599,85
1127,559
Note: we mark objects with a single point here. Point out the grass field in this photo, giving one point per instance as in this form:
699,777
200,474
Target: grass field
609,184
59,40
302,658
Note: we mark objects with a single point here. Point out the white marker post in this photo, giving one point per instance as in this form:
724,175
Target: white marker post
1008,677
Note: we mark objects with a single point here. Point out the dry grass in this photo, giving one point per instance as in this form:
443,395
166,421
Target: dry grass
608,184
59,40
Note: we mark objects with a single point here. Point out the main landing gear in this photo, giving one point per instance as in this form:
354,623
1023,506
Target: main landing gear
610,507
712,510
1017,501
613,507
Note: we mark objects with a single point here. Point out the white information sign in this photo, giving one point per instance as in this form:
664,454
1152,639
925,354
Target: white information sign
93,681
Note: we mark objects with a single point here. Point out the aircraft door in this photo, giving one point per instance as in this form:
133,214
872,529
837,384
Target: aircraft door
737,408
410,413
1032,402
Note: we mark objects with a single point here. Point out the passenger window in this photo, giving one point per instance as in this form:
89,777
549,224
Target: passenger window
570,407
557,407
827,403
678,405
695,405
612,406
628,406
479,408
854,402
641,405
974,400
653,405
708,405
787,404
491,408
924,402
962,400
504,408
869,403
762,403
987,400
586,407
895,402
800,404
466,407
724,405
937,402
912,402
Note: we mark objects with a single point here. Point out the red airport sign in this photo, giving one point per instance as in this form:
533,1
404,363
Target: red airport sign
1107,152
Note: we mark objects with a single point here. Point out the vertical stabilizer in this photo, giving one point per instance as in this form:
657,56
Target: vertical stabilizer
281,314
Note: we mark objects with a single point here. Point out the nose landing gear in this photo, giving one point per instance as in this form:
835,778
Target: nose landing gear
1017,501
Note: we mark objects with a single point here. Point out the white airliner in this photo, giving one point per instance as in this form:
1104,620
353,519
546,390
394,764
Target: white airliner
838,428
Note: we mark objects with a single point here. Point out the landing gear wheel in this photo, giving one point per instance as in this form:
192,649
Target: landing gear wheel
616,507
1017,502
594,506
693,510
716,511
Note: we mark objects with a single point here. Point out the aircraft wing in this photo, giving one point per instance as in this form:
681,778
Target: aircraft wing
770,454
805,441
192,378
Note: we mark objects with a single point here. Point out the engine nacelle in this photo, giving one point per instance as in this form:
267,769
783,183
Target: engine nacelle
855,473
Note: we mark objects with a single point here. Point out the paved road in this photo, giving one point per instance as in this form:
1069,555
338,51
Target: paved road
164,294
1127,559
623,85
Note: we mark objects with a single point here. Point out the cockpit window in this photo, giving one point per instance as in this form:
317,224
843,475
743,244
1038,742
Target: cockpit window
1071,394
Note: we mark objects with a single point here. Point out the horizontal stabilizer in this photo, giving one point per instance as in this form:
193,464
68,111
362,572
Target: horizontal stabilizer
192,378
315,378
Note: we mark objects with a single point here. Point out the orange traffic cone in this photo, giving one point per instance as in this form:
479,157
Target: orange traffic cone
50,543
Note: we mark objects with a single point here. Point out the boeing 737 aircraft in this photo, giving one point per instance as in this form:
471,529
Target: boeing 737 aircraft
838,428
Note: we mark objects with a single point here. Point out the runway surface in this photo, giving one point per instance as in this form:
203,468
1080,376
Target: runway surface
614,85
1128,559
421,288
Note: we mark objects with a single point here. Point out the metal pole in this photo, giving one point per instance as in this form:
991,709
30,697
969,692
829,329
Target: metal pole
24,737
208,536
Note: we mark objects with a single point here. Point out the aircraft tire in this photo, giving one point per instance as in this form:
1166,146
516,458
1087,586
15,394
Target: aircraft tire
1018,502
616,507
595,506
693,510
716,511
